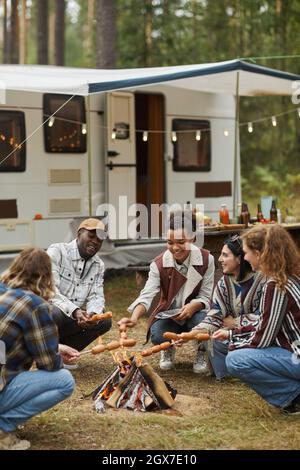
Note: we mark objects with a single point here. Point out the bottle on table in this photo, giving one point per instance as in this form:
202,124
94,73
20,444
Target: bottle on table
224,214
245,214
273,212
279,216
260,215
239,213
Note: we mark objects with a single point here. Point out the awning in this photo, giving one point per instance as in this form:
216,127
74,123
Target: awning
219,77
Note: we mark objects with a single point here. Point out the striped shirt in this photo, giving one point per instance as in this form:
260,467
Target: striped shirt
279,323
28,332
78,282
238,299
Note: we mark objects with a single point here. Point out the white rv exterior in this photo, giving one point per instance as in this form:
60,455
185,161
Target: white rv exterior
64,187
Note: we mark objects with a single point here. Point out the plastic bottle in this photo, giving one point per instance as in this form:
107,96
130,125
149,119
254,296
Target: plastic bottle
260,215
279,217
224,214
273,212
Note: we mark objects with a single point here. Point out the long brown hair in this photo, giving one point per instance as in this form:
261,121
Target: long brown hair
31,270
280,257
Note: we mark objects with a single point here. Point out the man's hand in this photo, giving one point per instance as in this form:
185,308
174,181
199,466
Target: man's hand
221,335
69,355
82,318
229,322
128,322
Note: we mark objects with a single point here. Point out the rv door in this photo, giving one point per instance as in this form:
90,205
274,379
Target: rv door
121,157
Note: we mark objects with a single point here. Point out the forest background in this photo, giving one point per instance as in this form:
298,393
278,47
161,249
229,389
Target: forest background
148,33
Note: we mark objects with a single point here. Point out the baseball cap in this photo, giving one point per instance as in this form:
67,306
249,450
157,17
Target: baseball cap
94,224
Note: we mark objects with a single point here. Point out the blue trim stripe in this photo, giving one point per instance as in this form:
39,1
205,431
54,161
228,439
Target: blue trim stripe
229,66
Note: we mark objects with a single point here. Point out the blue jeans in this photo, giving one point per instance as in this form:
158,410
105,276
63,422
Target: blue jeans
217,357
159,327
272,372
30,393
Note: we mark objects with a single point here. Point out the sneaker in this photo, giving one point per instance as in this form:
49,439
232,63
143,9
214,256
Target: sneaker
9,441
292,409
200,365
167,359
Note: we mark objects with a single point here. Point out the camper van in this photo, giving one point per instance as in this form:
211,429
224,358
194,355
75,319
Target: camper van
160,140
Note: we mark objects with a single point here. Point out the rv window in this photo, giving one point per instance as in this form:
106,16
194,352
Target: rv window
66,131
192,146
12,133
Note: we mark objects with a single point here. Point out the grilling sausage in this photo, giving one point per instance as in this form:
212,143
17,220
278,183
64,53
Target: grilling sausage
100,316
187,336
127,343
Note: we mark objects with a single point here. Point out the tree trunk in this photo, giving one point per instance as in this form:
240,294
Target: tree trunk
14,33
23,34
5,33
60,8
89,35
106,33
42,31
148,32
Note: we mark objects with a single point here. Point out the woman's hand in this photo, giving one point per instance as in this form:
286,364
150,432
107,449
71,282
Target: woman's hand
187,312
229,322
221,335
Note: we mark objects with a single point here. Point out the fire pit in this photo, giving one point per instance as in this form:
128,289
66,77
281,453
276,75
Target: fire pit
134,386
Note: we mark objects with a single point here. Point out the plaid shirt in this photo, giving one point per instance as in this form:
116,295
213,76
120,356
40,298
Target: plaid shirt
28,332
78,282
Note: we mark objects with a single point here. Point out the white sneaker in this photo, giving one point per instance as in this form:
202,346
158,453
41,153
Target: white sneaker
200,365
167,358
9,441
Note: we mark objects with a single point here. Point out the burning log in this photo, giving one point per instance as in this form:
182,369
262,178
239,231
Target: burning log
136,387
187,336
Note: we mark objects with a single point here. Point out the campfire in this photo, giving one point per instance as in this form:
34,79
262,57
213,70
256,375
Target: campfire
133,384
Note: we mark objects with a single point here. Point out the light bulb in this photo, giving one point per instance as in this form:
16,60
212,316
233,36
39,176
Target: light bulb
226,133
198,135
51,121
83,129
145,136
250,127
174,137
274,121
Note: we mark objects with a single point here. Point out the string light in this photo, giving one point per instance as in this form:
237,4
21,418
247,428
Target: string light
198,135
51,121
83,129
226,133
174,137
145,136
274,121
113,134
298,109
250,127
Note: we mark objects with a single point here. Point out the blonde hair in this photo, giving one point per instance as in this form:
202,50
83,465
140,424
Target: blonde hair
31,270
280,257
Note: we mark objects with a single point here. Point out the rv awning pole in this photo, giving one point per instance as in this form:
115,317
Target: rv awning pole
89,131
236,144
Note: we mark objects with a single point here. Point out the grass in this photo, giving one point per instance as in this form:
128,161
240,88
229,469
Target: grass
226,415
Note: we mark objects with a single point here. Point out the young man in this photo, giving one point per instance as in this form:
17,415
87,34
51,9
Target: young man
184,277
78,275
28,334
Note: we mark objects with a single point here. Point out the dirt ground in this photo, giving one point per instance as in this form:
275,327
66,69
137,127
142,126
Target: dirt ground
207,414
